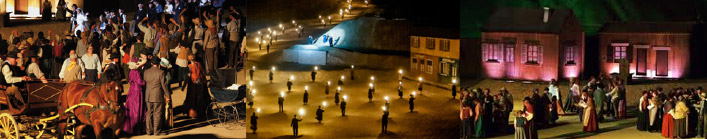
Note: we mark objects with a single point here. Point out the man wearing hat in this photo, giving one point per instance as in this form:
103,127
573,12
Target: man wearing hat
33,68
157,93
13,76
112,71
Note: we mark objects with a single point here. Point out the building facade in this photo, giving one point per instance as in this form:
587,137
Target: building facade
654,50
532,44
434,58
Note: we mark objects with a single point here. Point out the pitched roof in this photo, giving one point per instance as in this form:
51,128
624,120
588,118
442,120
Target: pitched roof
526,20
648,27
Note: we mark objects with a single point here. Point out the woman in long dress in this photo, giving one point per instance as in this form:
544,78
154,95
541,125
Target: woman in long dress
480,121
653,115
81,19
196,90
572,96
680,115
529,114
667,130
642,122
590,118
135,116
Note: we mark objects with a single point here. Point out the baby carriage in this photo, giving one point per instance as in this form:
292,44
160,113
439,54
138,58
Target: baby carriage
225,102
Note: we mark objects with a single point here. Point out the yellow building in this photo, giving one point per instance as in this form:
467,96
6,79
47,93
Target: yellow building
434,58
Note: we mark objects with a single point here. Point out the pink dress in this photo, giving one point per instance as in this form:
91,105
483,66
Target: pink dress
135,115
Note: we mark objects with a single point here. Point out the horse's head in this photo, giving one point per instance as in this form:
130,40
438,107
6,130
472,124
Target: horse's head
112,92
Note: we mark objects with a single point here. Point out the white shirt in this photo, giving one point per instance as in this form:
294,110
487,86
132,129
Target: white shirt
168,8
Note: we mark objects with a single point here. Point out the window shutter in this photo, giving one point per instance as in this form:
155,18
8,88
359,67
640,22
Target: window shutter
609,54
523,53
629,53
540,54
484,51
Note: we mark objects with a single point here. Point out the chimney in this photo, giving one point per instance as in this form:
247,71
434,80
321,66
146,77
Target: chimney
546,14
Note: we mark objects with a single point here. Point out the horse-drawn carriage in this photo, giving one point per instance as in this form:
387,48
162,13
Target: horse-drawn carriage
61,109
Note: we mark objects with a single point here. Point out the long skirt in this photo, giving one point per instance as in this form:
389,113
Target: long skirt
622,109
656,122
198,99
592,125
667,131
680,127
569,103
519,126
91,75
480,127
642,122
135,115
532,132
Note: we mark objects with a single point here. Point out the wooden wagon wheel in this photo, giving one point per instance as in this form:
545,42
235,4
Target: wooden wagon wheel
8,127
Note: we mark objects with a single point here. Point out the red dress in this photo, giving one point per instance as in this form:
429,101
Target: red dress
667,129
591,124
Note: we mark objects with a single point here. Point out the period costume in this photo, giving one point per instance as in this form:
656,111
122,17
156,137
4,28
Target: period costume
590,118
135,115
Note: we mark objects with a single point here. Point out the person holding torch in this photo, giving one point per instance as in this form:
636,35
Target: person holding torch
343,106
412,101
314,73
320,113
281,100
336,95
370,92
305,97
295,122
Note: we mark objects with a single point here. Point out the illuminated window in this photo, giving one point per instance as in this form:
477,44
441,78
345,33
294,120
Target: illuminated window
444,67
429,66
570,52
444,45
619,53
415,41
492,51
414,63
531,52
509,45
430,43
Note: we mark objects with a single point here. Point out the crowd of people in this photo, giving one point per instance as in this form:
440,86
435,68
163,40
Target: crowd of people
483,113
191,34
675,113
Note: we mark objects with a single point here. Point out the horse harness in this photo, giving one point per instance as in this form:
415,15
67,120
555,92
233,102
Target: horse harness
99,106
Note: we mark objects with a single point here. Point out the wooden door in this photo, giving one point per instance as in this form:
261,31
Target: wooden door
661,62
641,61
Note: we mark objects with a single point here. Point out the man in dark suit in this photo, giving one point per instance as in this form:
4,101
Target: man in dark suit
112,71
295,125
157,93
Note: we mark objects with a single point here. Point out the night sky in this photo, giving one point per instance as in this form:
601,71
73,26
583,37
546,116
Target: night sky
591,13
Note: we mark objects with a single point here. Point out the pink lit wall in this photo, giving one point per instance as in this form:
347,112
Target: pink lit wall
676,44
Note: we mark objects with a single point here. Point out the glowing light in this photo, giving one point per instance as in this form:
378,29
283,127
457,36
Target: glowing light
300,26
265,42
352,66
329,17
342,77
345,97
292,77
250,83
400,83
419,79
373,78
400,71
293,22
454,81
320,16
258,110
370,84
257,39
269,29
259,33
328,82
282,94
281,26
301,112
384,108
316,68
324,104
338,88
273,68
306,87
386,98
414,93
252,91
615,68
253,67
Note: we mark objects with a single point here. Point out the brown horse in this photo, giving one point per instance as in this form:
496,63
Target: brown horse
107,112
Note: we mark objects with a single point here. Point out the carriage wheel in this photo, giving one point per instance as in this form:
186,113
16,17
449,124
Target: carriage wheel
8,127
214,112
